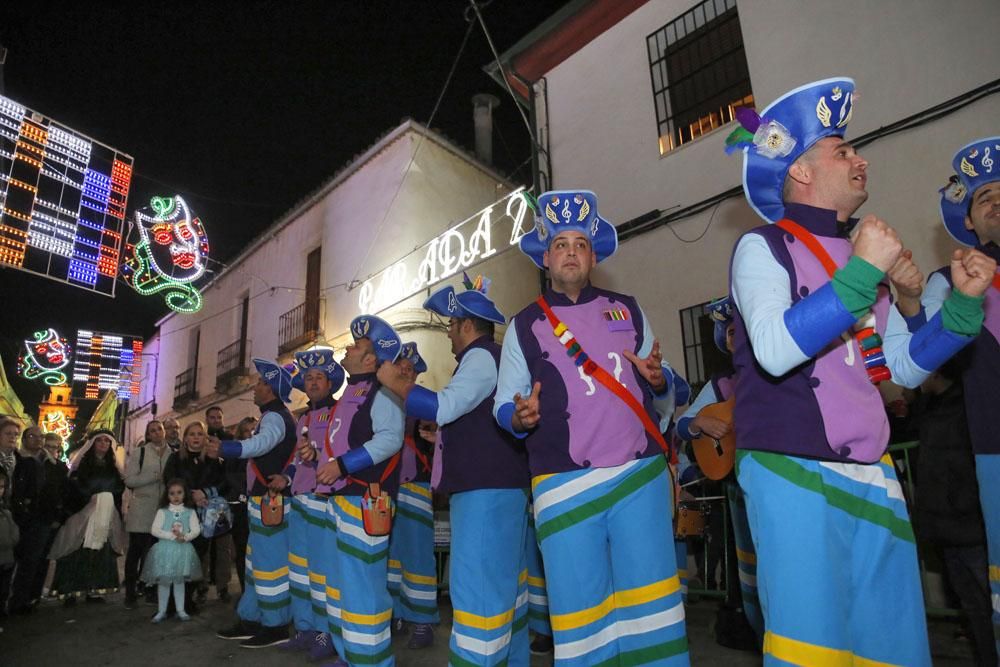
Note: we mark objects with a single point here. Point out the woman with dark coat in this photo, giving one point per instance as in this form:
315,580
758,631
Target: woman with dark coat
205,477
88,545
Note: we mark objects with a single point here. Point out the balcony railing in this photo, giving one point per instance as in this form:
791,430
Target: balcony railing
300,326
231,364
185,387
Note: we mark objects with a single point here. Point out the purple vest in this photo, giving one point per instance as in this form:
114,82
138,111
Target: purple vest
319,424
981,371
826,408
582,423
411,468
475,453
352,428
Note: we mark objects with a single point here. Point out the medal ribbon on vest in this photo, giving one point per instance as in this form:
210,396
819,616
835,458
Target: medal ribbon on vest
591,368
869,342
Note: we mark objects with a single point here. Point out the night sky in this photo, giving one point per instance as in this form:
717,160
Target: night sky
241,107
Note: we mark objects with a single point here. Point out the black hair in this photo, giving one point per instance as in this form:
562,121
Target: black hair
165,496
481,326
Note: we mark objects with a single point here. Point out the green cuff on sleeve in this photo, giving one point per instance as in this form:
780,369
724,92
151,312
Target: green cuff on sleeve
856,285
962,314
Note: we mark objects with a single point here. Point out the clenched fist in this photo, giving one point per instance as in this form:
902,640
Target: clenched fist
877,243
972,271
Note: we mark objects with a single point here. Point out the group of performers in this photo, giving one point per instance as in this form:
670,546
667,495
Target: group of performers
553,443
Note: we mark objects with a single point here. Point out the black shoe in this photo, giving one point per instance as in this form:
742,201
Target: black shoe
94,599
130,602
240,630
266,637
223,594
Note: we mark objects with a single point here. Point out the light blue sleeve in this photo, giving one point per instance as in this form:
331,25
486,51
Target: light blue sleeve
388,421
271,432
706,396
475,379
666,402
513,378
935,294
646,344
761,291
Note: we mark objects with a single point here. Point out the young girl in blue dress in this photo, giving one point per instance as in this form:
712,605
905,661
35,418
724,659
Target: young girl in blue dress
172,561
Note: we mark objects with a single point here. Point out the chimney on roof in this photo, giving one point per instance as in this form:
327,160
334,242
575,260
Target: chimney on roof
482,119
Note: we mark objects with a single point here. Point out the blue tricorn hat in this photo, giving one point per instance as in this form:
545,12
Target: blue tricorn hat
975,166
473,302
320,358
384,338
409,352
721,312
569,210
774,140
277,377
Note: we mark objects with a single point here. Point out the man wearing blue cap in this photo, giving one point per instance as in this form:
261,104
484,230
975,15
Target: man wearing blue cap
815,332
264,607
319,376
357,464
692,425
581,381
970,209
412,568
486,474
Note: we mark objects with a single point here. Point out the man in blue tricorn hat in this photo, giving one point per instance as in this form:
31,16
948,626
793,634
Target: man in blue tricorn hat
412,566
356,465
582,383
486,474
816,331
264,608
970,210
319,376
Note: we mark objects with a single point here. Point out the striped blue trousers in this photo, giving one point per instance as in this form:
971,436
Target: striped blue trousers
358,604
836,562
489,578
538,598
608,548
306,526
412,568
266,599
988,474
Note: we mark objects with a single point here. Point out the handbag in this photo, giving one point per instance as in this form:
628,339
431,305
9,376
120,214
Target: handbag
376,505
216,518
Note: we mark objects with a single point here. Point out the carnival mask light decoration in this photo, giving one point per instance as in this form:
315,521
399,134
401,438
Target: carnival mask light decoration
45,358
171,254
57,422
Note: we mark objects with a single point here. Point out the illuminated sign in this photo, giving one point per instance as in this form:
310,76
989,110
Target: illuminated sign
107,361
45,358
56,421
170,255
62,200
464,245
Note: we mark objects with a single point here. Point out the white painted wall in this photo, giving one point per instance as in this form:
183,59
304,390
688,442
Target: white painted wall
905,55
358,238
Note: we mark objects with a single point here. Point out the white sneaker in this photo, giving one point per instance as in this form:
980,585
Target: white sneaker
159,618
182,616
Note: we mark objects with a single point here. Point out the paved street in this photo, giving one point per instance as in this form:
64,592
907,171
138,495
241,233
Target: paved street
108,634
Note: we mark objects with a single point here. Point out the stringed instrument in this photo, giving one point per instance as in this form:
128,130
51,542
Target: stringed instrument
716,457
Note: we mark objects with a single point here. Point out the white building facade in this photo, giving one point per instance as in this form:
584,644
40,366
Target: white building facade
633,99
406,217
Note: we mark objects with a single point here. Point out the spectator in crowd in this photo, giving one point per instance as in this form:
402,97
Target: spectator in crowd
8,540
53,509
144,476
236,494
173,430
204,478
88,545
10,432
35,530
218,563
948,513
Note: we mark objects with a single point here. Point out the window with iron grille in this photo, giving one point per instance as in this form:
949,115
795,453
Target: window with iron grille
699,72
702,359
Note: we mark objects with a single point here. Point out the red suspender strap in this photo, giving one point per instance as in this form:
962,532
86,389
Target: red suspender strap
996,282
809,241
591,368
260,477
393,462
411,443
